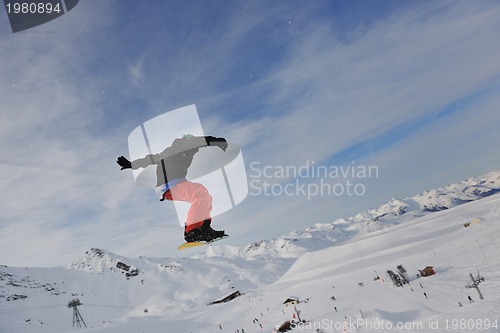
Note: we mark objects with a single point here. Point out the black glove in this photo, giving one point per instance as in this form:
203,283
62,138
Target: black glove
124,163
219,142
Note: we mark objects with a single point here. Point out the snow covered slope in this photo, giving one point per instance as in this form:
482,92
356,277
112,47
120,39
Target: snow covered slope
441,240
111,286
335,285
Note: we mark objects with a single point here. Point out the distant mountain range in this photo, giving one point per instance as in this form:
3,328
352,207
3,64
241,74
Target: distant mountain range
395,211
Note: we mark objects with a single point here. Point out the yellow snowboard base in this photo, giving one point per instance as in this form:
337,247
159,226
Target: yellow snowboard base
189,245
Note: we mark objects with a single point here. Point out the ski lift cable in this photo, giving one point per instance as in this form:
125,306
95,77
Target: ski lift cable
42,307
30,308
109,306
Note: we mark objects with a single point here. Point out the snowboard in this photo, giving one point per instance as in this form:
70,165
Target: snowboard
189,245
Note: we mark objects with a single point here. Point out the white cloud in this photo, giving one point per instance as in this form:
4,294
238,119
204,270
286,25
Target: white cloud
136,71
338,94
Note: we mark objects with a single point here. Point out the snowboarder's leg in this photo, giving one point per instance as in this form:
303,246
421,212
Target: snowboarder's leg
198,218
199,198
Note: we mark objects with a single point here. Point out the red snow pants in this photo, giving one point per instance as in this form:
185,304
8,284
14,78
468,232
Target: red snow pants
199,198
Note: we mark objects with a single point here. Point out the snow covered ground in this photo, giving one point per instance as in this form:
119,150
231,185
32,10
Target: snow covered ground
336,285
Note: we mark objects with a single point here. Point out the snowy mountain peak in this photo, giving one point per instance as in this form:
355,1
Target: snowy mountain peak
393,207
93,260
281,247
456,194
99,261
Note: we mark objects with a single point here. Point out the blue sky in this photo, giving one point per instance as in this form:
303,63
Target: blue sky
411,87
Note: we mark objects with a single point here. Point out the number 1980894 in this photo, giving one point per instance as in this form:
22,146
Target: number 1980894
33,8
471,324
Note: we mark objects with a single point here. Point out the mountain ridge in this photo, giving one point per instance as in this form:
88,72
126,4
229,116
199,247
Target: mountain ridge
394,211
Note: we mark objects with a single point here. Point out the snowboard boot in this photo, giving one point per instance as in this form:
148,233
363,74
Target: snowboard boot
213,233
197,235
205,233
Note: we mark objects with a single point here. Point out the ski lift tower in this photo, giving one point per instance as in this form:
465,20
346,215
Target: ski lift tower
77,317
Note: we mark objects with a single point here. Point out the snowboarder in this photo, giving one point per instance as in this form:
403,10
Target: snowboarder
171,169
470,299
